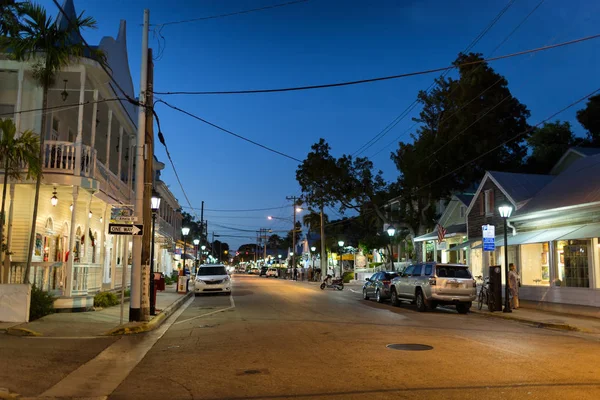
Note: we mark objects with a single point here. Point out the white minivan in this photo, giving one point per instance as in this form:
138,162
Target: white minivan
212,279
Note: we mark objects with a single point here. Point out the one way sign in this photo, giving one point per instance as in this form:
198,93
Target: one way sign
126,229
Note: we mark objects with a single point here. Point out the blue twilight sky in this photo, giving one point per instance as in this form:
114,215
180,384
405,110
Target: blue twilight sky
322,41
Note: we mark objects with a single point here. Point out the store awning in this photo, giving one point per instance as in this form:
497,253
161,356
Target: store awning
583,232
451,231
467,244
549,235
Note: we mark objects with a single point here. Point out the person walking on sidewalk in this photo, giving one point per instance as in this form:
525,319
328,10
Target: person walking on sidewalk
513,286
295,274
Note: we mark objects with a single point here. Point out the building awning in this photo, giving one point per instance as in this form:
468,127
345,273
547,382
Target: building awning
188,256
549,235
583,232
451,231
463,245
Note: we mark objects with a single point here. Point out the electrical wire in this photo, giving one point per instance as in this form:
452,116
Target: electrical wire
385,78
247,210
228,131
63,107
185,21
414,104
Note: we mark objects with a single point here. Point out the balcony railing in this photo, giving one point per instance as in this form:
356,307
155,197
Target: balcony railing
60,157
111,184
87,279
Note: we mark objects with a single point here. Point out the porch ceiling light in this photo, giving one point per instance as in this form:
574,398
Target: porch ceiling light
71,207
391,231
64,94
54,199
101,219
90,214
505,210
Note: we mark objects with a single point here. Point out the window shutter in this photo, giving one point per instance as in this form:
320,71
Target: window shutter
482,203
492,207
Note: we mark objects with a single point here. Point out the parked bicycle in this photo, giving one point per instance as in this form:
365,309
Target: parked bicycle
485,295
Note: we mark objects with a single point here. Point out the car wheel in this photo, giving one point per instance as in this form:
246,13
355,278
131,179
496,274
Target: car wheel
378,296
462,308
420,301
365,295
395,300
340,286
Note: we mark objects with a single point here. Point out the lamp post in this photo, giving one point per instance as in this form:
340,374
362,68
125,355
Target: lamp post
505,212
196,243
154,206
312,255
391,231
203,247
184,233
341,244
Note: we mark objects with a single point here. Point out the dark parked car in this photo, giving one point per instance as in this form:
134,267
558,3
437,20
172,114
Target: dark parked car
378,286
263,271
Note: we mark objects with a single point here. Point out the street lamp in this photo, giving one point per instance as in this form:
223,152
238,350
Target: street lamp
154,206
341,244
505,211
184,233
312,250
196,243
391,231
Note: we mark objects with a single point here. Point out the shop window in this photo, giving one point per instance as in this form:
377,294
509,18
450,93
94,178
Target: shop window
573,263
463,211
535,268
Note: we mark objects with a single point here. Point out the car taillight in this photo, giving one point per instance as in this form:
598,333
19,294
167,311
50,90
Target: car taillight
474,283
386,282
432,281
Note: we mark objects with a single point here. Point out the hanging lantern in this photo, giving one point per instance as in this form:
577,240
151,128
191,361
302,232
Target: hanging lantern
54,199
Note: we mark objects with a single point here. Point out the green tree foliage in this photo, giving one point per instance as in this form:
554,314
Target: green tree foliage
589,118
548,143
274,241
460,120
10,12
196,231
39,39
16,151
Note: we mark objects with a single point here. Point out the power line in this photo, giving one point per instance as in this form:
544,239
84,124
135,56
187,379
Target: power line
385,78
63,107
229,132
184,21
414,104
471,72
247,210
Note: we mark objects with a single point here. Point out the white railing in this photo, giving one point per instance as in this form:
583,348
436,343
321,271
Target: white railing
118,278
87,278
111,184
48,276
60,157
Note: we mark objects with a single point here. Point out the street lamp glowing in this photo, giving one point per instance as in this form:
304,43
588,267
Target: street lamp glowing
341,243
269,217
279,256
313,249
505,210
154,203
391,231
203,247
298,209
196,242
185,231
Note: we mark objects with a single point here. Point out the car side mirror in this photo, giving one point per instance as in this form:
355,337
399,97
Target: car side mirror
368,279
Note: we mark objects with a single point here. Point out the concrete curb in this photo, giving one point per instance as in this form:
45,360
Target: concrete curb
141,327
16,331
537,324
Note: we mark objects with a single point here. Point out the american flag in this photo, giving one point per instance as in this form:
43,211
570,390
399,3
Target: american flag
441,233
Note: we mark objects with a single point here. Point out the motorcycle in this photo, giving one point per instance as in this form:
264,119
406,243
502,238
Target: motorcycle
331,283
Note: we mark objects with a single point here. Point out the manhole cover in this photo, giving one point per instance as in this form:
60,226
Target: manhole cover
409,347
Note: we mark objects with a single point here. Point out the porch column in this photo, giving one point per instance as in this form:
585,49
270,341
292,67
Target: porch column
69,268
94,153
424,247
19,99
6,261
108,134
552,263
120,152
435,250
105,266
113,260
124,259
86,229
79,138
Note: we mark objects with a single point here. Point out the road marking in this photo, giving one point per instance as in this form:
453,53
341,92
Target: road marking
354,291
231,301
100,376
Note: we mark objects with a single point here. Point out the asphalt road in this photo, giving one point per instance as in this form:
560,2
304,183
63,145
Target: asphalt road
278,339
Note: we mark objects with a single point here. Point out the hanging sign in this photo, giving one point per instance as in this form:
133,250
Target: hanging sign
489,236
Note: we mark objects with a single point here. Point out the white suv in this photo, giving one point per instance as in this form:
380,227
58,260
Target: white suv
272,272
212,279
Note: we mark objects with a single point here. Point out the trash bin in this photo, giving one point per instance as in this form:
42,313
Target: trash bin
496,286
159,281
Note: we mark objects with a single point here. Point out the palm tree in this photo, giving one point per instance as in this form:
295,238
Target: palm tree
10,12
313,221
15,153
53,48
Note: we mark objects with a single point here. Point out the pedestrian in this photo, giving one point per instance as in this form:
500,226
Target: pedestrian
296,273
513,286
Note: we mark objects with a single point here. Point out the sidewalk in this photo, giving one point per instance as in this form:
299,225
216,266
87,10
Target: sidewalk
102,322
545,319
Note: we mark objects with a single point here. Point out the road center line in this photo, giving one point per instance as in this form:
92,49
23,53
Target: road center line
104,373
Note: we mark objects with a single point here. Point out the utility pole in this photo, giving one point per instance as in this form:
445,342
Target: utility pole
256,249
212,245
323,255
293,198
202,224
136,268
148,185
265,245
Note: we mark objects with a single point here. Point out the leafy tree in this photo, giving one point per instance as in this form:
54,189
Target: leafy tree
14,152
52,47
460,120
312,221
10,12
274,241
548,143
589,118
287,242
196,231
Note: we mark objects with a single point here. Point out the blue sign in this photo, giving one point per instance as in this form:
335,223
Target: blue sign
489,235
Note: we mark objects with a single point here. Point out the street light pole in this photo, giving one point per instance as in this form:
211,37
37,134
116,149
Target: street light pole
154,206
341,244
505,212
184,233
391,231
196,243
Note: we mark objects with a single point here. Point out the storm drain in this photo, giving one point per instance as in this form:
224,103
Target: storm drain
409,347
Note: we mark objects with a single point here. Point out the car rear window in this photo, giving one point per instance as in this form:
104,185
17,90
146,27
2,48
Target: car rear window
212,271
449,271
390,276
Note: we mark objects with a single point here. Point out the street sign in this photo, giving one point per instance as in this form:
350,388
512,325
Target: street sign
120,218
489,235
122,214
126,229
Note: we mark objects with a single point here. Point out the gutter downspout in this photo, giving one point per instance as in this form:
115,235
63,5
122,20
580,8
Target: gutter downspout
514,230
